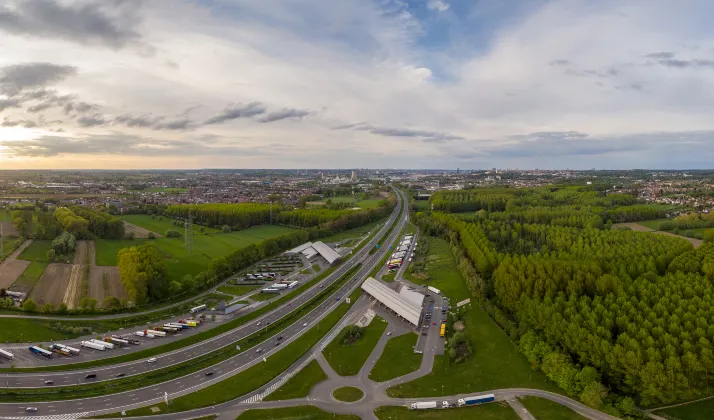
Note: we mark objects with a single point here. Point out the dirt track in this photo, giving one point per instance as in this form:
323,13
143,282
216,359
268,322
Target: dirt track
12,268
640,228
103,281
139,232
52,285
75,289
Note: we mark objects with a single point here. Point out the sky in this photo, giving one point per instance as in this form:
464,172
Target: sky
443,84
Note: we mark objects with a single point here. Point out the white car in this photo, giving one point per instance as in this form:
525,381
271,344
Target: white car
304,325
258,324
31,409
152,360
444,404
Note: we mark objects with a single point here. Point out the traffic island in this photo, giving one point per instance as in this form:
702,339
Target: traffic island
348,394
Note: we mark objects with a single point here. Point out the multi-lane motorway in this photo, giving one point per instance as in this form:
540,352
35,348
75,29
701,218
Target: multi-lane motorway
220,371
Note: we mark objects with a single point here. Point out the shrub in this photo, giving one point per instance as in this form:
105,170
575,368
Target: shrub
151,235
172,233
226,229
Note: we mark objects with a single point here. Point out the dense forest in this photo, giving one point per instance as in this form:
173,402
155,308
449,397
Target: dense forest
591,306
85,223
237,216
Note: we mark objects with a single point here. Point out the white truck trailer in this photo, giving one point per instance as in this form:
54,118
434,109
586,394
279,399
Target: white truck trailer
424,405
92,345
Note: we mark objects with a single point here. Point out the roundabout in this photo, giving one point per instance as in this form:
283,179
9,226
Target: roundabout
348,394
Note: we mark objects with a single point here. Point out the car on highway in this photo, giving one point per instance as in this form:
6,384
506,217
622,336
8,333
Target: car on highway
209,373
305,324
321,286
120,375
433,323
280,338
31,409
152,360
258,324
259,350
49,382
277,343
90,376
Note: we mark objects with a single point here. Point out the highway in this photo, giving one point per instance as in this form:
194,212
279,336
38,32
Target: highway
248,357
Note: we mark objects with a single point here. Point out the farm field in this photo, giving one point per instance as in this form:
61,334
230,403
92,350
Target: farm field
347,359
494,364
137,232
493,411
205,247
23,330
353,233
8,228
52,285
103,281
422,205
161,224
398,358
653,224
702,410
37,251
259,297
10,271
441,269
28,279
7,246
547,409
365,204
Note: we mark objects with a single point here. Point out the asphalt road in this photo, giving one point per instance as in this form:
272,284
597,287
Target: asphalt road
197,380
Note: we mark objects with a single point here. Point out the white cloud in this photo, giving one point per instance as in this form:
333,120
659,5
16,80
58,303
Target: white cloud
438,5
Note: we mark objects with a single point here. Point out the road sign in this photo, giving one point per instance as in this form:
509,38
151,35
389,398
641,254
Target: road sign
390,247
264,359
347,300
238,348
377,246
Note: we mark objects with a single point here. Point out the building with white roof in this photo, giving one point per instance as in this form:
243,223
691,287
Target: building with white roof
406,308
312,250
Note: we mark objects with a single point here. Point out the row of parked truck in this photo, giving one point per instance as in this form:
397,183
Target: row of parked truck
108,343
281,285
400,254
476,399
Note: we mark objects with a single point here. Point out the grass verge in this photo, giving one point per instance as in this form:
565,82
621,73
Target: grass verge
441,271
547,409
494,411
301,412
347,359
702,410
237,290
347,394
397,359
299,386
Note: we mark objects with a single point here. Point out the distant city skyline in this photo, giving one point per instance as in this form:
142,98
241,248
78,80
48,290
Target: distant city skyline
91,84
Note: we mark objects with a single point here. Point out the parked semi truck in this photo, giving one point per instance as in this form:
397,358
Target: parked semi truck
198,309
6,354
425,405
92,345
143,334
155,333
293,284
41,351
270,290
280,286
177,325
116,340
108,346
476,399
189,322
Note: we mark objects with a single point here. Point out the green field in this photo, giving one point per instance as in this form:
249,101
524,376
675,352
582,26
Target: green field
702,410
348,394
422,205
17,330
442,271
160,224
347,360
398,358
494,364
494,411
7,247
547,409
259,297
301,412
205,247
237,290
31,275
37,251
4,216
299,386
653,224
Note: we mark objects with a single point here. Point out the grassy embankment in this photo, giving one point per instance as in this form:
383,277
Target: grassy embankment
398,358
301,412
299,386
347,359
701,410
547,409
237,290
493,411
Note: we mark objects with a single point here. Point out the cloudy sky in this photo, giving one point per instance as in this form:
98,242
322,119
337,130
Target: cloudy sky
356,83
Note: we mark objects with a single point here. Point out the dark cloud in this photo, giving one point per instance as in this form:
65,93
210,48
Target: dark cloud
427,136
48,99
103,23
119,144
9,103
80,107
696,63
237,111
593,73
662,55
283,114
20,123
156,123
559,63
18,77
91,120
